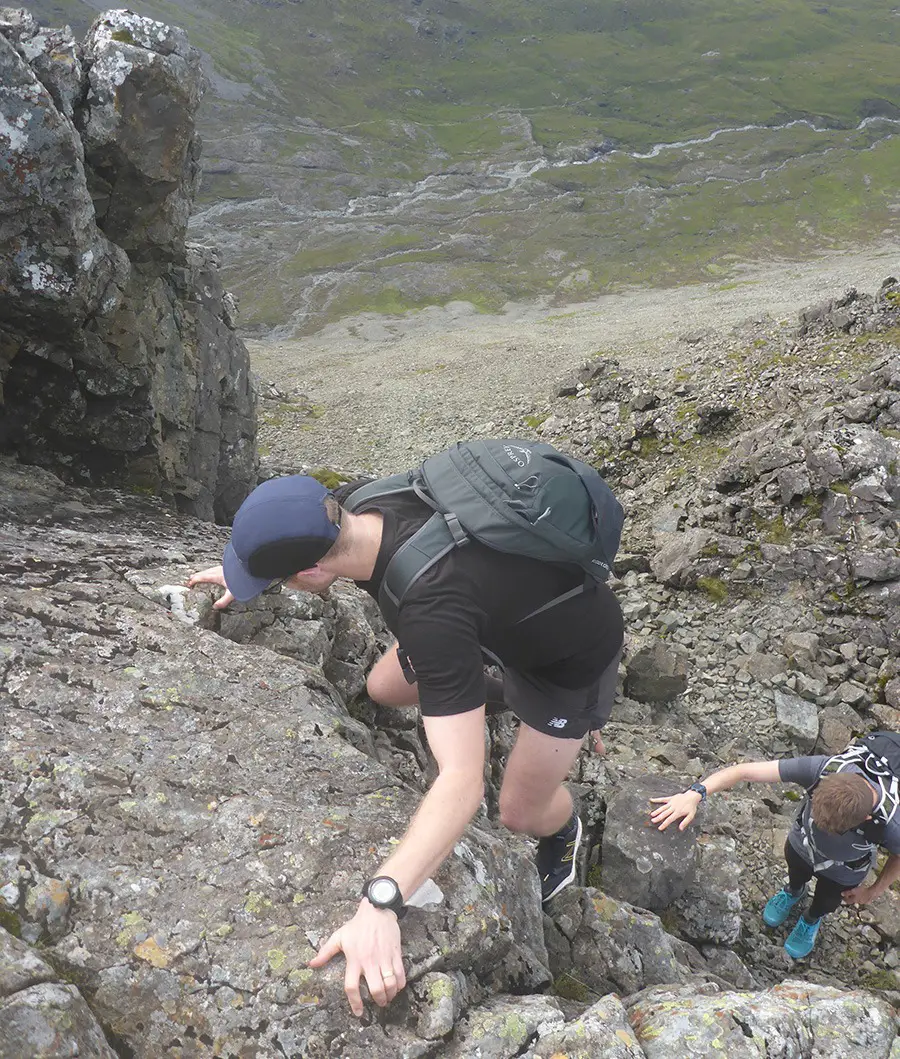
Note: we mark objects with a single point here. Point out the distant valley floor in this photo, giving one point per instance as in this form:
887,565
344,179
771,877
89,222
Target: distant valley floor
384,390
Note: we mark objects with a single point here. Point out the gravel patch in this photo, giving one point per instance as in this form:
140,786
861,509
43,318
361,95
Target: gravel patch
388,390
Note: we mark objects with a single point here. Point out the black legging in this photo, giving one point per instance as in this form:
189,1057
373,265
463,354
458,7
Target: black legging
827,896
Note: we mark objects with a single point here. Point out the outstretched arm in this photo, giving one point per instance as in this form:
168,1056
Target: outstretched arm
212,576
371,940
861,895
684,806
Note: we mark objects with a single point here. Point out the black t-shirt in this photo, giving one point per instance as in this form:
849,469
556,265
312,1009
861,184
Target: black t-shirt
473,598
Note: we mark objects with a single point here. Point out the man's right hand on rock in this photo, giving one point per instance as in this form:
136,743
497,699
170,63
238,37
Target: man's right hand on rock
212,576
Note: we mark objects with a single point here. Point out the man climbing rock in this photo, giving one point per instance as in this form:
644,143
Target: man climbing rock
852,807
454,603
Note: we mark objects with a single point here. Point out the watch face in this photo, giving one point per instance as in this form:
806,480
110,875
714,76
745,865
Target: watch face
382,891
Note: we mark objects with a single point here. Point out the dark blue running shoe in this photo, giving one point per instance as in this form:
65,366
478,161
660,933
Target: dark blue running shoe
556,855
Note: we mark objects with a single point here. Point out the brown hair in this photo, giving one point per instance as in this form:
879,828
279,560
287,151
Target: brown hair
334,511
841,801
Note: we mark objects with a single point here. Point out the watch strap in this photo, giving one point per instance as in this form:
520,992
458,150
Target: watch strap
700,789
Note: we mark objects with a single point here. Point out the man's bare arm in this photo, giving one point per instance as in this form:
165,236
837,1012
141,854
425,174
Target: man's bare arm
684,806
861,895
371,940
457,743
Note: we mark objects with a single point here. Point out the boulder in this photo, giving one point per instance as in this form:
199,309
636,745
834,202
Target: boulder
801,645
647,867
144,87
41,1017
600,945
503,1027
675,563
798,718
56,266
876,566
837,727
709,909
655,673
600,1032
886,916
791,1019
119,361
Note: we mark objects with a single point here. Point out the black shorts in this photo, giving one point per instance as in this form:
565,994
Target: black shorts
566,713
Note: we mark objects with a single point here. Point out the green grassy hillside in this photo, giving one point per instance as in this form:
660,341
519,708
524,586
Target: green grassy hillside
324,115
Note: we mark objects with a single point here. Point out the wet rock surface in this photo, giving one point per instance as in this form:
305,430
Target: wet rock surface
119,362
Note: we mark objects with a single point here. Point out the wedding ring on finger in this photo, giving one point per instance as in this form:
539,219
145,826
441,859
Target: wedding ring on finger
387,974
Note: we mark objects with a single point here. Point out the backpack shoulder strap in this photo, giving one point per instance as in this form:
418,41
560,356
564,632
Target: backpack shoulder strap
419,553
877,756
381,487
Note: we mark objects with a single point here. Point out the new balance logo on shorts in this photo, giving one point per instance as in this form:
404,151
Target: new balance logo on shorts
557,722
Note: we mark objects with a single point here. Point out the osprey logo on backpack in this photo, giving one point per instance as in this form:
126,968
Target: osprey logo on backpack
518,454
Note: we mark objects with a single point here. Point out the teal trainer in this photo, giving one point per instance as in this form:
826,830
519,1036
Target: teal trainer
778,908
802,938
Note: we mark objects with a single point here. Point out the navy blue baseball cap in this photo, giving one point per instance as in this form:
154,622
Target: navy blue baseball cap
280,529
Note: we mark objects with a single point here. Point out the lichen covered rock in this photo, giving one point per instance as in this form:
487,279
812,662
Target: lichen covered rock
118,356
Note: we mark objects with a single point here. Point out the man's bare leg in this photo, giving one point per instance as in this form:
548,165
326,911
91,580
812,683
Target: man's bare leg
533,799
386,683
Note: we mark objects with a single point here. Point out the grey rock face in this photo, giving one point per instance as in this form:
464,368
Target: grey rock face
609,946
675,562
144,86
799,719
655,673
55,262
602,1032
39,1016
502,1027
793,1019
118,356
710,907
642,865
185,818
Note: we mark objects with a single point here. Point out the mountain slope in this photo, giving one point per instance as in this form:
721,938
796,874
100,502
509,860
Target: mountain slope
401,153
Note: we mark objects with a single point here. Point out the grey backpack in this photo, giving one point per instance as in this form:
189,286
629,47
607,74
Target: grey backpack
521,497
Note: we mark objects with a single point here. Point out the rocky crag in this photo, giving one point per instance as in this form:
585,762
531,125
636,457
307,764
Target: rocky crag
191,799
118,355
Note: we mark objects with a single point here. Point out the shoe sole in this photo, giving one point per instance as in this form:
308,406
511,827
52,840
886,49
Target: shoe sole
565,882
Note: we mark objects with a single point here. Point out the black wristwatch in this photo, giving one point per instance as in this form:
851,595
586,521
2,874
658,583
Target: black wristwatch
700,789
383,892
